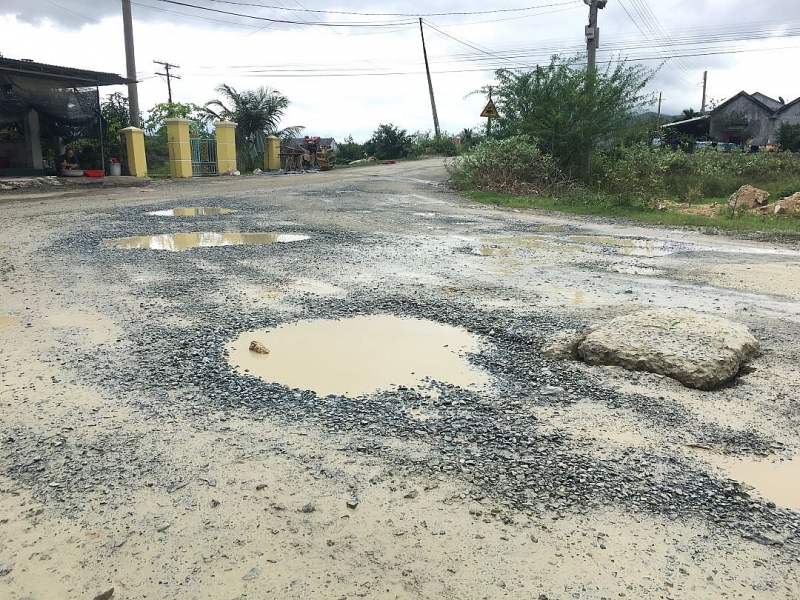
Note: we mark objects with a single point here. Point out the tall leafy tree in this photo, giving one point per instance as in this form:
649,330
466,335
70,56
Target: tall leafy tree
258,114
388,141
550,105
156,117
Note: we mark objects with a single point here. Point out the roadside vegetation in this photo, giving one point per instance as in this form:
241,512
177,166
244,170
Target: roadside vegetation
536,156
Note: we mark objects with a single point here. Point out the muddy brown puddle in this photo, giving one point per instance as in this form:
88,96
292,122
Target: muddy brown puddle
192,211
357,356
176,242
773,480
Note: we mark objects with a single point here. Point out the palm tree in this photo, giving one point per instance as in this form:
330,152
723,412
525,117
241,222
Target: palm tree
257,114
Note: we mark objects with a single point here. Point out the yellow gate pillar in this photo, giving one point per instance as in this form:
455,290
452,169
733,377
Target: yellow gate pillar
134,149
226,146
272,157
180,149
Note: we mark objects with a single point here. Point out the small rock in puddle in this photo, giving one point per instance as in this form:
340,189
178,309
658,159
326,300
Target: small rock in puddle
258,347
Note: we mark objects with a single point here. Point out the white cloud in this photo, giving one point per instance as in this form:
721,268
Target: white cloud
210,53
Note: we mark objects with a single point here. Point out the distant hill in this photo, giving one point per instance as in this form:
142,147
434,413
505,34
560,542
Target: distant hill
652,115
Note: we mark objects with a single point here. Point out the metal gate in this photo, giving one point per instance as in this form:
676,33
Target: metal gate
204,157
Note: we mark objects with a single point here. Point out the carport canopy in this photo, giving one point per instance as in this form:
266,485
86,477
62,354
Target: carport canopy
66,94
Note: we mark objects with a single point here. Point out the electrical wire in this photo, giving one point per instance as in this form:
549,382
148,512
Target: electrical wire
285,21
388,14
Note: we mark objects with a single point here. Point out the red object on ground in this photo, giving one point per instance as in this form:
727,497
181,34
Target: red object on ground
389,162
94,173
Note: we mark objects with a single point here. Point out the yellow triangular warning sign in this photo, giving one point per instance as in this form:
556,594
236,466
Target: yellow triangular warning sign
490,111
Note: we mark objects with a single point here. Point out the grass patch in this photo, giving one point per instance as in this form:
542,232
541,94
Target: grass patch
580,204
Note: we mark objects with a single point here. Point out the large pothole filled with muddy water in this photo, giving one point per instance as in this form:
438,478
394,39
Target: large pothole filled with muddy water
360,355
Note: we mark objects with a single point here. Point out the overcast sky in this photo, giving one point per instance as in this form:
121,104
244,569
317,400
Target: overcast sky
347,80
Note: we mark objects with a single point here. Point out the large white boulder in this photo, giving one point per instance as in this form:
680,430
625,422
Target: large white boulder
700,351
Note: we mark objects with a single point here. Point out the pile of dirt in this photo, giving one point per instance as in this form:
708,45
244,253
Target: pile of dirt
748,197
789,206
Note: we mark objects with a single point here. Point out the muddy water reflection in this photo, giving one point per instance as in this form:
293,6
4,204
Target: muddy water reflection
181,211
356,356
628,246
175,242
7,321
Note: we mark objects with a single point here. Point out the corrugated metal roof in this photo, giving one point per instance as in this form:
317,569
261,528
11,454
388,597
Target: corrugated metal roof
67,75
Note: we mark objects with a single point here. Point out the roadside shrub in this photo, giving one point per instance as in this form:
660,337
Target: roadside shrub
631,176
426,144
513,165
789,137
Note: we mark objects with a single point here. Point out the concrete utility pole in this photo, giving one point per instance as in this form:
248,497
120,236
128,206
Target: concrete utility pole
592,44
130,61
430,84
658,118
168,75
705,83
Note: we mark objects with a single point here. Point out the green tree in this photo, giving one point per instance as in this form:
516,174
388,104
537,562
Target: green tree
550,105
789,137
349,150
257,114
469,138
387,142
85,140
156,116
687,113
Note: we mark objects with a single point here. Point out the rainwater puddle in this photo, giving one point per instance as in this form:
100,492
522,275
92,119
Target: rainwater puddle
201,211
773,480
628,246
6,321
551,228
489,251
360,355
176,242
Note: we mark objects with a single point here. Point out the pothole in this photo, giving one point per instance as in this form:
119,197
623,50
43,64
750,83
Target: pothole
627,246
773,480
8,321
191,211
360,355
175,242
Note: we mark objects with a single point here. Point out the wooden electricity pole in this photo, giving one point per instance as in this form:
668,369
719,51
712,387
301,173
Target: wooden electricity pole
430,84
168,75
130,61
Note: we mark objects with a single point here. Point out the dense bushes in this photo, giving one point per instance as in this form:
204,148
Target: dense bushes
640,175
511,165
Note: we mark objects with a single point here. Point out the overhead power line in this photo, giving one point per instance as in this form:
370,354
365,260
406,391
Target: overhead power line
286,21
390,14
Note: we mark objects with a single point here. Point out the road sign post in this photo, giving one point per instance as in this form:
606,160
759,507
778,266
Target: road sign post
489,112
